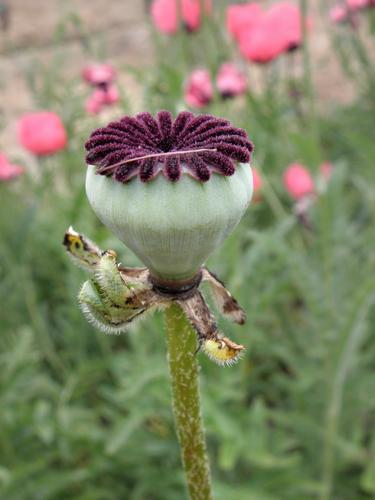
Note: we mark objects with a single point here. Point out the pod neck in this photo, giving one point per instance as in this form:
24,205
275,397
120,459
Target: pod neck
181,289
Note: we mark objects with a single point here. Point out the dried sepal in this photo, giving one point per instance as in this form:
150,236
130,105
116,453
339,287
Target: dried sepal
222,350
116,296
83,252
225,302
218,348
200,317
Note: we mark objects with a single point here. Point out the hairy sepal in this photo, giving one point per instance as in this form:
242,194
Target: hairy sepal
83,252
222,350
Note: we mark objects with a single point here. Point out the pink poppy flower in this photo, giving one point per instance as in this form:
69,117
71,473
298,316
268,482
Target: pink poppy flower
98,74
93,105
8,171
298,181
357,4
101,97
42,133
275,31
257,185
338,14
165,14
326,169
289,19
111,95
263,43
230,80
198,90
242,17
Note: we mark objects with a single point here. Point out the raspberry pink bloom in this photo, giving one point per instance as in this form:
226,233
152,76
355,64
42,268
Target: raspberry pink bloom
198,90
8,171
230,81
101,97
357,4
263,43
42,133
97,74
165,14
277,30
286,20
338,14
242,18
112,95
94,104
326,169
257,185
298,181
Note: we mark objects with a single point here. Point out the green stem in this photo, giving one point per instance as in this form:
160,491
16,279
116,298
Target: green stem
308,84
183,369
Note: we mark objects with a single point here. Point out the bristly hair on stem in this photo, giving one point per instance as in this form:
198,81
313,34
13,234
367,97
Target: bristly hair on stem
145,146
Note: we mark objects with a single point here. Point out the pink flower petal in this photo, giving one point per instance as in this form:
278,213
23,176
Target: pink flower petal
242,18
42,133
98,74
357,4
277,30
326,169
338,14
165,17
198,90
8,171
230,80
257,185
298,181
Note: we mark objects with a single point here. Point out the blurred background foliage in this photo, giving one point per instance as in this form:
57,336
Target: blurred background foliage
87,416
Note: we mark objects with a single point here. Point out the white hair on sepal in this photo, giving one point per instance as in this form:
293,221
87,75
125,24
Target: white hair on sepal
222,350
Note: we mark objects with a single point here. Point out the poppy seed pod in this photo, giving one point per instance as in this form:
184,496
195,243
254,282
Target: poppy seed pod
171,191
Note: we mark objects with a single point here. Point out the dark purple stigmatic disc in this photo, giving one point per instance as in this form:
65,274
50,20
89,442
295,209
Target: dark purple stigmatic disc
145,146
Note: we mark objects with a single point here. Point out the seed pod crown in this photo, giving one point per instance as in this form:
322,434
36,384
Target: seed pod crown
145,146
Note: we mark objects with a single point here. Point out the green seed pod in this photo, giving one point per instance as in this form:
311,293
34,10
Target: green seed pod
189,195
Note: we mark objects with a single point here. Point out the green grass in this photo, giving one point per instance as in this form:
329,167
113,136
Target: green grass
87,416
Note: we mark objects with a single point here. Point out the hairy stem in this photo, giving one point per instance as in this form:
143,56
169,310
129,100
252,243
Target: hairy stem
183,368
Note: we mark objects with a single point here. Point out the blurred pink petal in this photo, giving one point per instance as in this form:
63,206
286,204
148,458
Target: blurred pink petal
257,185
111,95
263,43
230,81
272,32
242,17
98,74
338,13
8,171
326,169
298,181
357,4
191,12
42,133
286,19
198,90
165,17
101,97
93,105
